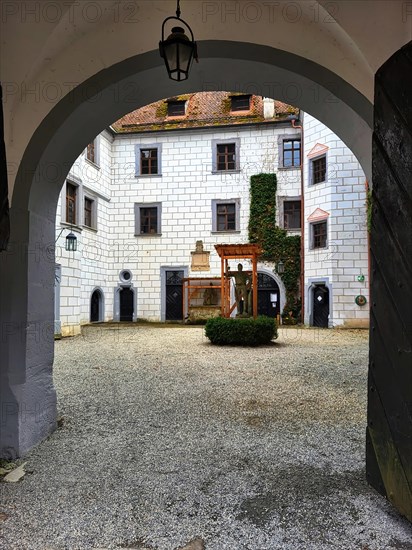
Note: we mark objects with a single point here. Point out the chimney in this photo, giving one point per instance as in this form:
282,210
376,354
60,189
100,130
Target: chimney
268,108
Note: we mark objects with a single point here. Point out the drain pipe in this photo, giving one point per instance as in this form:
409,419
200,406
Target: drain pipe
302,223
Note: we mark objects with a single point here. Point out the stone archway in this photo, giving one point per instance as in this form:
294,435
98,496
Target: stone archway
27,297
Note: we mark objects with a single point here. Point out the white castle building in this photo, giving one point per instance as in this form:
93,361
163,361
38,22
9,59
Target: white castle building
166,176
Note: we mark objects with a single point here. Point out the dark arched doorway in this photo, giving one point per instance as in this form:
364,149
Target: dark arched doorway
96,306
268,296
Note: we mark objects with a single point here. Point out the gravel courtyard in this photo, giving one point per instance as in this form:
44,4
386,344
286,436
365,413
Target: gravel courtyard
166,438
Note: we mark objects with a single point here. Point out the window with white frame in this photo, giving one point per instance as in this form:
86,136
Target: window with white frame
317,170
225,155
148,160
225,215
148,219
319,234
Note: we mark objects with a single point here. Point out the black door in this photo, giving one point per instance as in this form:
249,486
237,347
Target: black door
268,296
321,306
95,307
174,295
126,304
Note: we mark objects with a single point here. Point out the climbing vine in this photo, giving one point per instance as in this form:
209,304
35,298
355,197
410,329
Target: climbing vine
275,242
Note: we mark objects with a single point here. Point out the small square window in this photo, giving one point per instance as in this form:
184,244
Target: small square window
291,153
71,203
292,214
176,108
318,170
240,103
319,234
148,161
147,219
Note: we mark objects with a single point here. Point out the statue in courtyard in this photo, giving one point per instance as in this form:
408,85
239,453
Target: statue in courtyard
243,295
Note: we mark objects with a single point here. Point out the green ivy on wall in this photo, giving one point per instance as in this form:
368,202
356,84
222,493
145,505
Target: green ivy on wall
274,241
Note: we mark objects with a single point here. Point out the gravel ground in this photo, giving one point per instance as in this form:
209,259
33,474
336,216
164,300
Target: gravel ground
167,438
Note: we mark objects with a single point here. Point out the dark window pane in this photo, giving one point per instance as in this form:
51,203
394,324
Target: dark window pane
319,170
291,215
148,161
71,198
319,235
240,103
88,208
226,217
226,156
176,108
90,152
148,220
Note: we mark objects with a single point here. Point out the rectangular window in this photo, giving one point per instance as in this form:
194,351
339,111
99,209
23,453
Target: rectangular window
226,217
148,161
240,103
88,212
226,156
291,153
176,108
291,214
318,170
91,152
319,235
147,218
71,203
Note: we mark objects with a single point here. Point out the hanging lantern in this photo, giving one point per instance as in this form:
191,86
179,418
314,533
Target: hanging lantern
71,242
280,267
178,51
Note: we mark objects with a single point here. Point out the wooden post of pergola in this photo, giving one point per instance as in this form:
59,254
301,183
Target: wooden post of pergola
237,252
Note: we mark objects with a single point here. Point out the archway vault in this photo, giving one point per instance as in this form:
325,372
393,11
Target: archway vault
26,299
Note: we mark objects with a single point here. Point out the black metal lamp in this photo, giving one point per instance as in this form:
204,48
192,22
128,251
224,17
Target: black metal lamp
71,242
178,51
280,267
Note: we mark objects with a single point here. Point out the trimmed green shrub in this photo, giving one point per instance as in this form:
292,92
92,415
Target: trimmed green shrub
241,331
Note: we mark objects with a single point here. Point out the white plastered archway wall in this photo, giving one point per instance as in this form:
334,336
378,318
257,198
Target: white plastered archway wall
26,298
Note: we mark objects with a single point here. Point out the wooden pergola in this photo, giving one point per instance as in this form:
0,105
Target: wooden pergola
237,252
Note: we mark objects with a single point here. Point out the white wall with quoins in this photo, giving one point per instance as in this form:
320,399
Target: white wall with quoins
186,187
343,196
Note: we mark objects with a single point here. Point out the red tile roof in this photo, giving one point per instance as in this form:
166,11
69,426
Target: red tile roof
203,109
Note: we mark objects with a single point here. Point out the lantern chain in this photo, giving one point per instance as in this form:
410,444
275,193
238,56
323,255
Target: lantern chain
178,9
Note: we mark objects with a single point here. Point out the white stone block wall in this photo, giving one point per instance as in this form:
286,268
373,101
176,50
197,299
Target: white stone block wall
343,196
89,267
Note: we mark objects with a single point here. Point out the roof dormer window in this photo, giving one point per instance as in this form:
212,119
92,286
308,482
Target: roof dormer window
176,108
240,103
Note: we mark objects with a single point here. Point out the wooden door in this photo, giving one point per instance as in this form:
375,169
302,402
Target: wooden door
389,432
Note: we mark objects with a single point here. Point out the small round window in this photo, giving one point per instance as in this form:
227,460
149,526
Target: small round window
125,276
